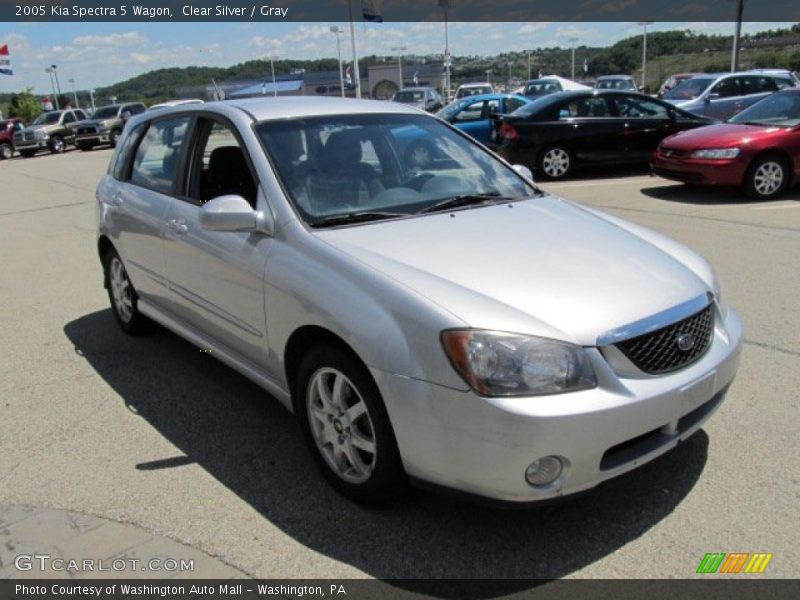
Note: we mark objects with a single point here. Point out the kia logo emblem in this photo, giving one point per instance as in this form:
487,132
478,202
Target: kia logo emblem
685,342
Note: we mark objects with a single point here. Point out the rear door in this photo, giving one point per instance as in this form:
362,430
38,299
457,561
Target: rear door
217,277
146,185
645,123
471,120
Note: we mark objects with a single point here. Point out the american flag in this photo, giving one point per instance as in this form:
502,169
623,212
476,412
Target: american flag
5,61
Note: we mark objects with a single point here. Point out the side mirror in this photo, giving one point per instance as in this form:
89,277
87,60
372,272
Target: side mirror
233,213
523,171
711,97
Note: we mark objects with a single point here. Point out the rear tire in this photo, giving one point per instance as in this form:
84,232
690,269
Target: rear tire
6,151
767,178
554,162
123,297
346,427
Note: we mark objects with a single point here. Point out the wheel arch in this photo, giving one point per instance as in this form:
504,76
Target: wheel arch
300,342
104,244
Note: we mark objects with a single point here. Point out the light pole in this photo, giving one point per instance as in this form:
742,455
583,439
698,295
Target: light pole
445,4
644,25
55,74
529,65
399,50
510,64
737,34
356,68
74,93
91,99
489,76
49,71
272,68
336,30
572,41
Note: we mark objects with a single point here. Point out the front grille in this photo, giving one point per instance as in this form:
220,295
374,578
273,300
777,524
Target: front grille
673,153
672,347
28,136
84,129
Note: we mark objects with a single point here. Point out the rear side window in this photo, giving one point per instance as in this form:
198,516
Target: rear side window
727,88
155,165
121,167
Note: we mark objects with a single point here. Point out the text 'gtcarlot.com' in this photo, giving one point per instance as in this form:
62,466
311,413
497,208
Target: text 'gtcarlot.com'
45,562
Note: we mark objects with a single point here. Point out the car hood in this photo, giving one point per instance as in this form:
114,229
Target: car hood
542,267
721,135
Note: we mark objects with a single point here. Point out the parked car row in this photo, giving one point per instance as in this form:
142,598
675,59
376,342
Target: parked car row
56,130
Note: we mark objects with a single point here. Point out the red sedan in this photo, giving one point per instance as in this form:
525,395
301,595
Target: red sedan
758,149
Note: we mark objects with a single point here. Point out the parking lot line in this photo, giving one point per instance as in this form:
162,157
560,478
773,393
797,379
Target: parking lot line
596,183
778,207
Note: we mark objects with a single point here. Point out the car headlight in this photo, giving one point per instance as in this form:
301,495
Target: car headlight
41,134
718,297
506,364
716,153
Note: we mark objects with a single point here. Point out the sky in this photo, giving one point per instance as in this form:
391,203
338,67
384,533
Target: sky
100,54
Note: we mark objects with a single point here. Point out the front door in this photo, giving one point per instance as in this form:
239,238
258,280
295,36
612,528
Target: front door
217,277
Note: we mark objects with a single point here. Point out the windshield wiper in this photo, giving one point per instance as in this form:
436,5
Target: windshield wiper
464,200
357,217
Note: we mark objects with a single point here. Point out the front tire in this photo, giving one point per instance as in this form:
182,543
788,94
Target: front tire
57,145
555,162
123,297
767,178
6,151
346,426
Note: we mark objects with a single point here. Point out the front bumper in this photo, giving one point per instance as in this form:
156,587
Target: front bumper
103,137
703,171
482,446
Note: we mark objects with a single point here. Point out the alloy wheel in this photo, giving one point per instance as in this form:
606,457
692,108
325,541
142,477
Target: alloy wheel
120,290
556,162
341,425
768,178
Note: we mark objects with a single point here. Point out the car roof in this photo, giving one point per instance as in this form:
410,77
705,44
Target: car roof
483,84
416,88
614,77
288,107
492,96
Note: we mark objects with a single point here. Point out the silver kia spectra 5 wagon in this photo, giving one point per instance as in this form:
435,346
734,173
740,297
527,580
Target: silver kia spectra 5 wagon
444,322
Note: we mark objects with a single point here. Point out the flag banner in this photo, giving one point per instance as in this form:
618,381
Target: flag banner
372,10
5,61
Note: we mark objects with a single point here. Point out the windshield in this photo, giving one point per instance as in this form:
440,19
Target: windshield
47,118
381,164
615,84
545,86
415,96
778,110
106,112
473,91
451,110
689,89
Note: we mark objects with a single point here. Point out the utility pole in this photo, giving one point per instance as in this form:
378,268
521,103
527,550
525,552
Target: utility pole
335,29
49,71
272,68
74,93
55,73
737,35
644,25
356,69
572,42
445,4
399,50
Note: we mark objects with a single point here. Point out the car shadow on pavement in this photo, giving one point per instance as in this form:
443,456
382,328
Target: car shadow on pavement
251,444
708,196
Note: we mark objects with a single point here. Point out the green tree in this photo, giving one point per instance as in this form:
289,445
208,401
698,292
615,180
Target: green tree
24,106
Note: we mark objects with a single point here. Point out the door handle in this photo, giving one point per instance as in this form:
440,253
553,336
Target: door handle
115,200
179,227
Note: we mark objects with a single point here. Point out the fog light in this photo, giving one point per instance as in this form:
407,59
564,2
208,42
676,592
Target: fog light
544,471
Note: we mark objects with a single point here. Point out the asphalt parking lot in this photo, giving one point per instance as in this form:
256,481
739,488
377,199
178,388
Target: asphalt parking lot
154,433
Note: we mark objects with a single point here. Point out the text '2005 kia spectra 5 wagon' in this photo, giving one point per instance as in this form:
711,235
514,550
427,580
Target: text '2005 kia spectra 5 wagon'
451,325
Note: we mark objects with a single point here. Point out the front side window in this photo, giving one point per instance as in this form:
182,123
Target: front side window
362,164
220,166
689,89
777,110
122,163
471,112
155,165
639,108
69,117
727,88
589,107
